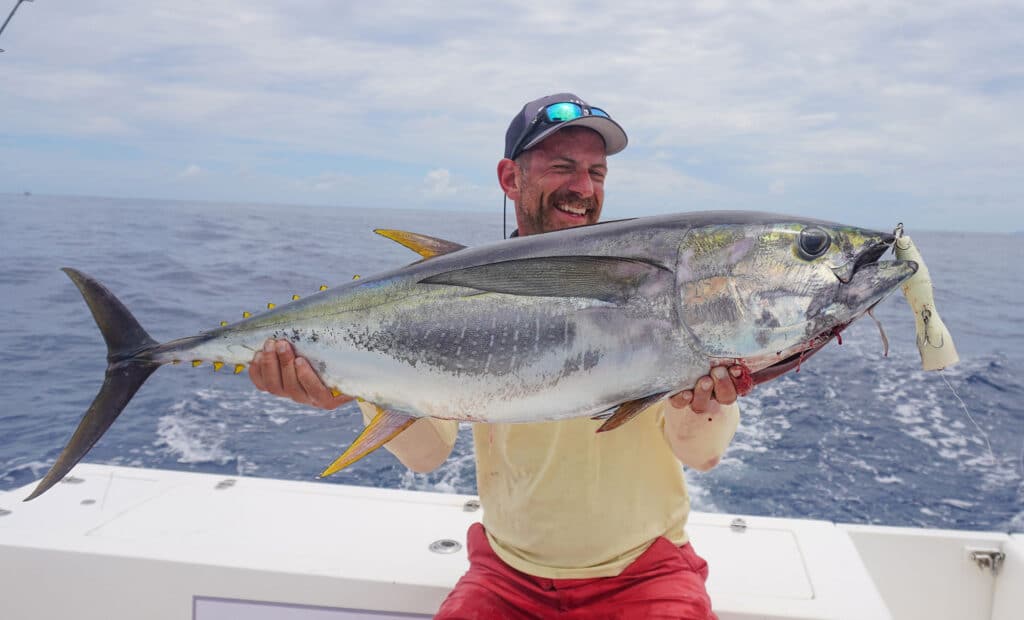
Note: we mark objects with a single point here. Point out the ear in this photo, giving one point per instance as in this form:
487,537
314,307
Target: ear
508,178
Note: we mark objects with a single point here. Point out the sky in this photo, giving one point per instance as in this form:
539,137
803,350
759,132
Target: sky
868,113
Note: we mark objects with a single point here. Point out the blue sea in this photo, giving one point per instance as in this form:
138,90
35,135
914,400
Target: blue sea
853,437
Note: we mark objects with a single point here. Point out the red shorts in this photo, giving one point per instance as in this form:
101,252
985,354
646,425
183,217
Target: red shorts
666,581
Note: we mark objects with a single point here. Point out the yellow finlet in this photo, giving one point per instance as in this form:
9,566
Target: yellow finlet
197,363
295,297
271,306
246,315
425,246
323,287
384,427
239,368
217,366
335,392
355,277
223,323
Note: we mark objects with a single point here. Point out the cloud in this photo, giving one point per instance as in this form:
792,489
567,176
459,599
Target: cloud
721,100
328,181
191,170
438,184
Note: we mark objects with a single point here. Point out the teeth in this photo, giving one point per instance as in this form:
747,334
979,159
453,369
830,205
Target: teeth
573,210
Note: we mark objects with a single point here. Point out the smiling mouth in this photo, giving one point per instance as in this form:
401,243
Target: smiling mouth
573,210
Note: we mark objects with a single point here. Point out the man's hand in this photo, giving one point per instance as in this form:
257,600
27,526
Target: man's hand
277,370
711,391
699,441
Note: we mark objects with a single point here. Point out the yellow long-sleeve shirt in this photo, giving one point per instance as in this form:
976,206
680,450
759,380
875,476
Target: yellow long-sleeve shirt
563,502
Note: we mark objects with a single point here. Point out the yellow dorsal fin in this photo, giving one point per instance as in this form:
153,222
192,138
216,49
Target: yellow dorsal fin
384,427
425,246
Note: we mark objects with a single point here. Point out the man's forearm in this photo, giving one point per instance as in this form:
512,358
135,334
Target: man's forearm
700,440
422,447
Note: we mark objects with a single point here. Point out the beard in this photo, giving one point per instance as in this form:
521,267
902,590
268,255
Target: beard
552,210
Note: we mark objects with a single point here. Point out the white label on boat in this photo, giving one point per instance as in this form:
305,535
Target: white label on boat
204,608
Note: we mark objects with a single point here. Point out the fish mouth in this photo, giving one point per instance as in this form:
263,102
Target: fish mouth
875,252
870,255
866,281
797,355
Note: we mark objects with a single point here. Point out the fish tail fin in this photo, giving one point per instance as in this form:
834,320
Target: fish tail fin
127,369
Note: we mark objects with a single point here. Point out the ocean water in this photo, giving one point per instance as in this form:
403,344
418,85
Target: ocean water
853,437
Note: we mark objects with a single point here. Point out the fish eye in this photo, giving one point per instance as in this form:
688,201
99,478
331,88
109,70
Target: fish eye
814,242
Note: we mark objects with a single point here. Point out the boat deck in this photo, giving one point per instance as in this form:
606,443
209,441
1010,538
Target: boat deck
115,542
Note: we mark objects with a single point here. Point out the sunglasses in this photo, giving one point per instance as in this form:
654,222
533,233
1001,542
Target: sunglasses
554,114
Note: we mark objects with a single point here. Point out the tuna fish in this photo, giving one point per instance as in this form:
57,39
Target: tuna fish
599,321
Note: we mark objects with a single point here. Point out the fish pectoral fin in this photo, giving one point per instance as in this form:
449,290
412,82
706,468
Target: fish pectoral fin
384,427
607,278
424,245
628,410
604,415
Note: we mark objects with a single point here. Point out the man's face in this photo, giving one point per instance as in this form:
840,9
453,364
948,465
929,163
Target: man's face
561,182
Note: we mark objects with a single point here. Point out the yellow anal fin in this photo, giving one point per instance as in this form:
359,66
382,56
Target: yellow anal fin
425,246
628,410
384,427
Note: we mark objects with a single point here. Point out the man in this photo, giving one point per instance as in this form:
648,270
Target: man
575,524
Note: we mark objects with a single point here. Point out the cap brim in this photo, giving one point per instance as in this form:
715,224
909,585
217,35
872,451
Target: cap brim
614,136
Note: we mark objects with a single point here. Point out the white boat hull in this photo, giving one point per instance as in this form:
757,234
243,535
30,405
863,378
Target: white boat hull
119,542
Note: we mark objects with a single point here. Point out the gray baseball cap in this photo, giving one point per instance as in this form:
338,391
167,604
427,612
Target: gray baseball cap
542,117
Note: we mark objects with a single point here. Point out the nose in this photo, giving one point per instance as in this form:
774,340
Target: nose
581,184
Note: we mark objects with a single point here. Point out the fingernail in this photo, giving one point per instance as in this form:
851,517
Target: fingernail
268,346
705,383
300,361
719,372
736,371
281,347
687,396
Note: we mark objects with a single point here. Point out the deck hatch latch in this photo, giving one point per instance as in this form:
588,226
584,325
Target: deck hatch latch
991,559
445,545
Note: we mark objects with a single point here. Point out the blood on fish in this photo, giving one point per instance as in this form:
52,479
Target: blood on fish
838,333
745,382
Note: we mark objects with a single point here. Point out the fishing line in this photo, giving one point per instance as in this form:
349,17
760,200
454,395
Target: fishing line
963,406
